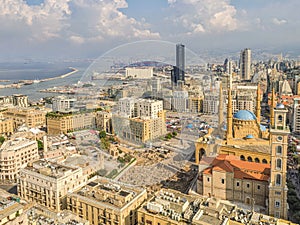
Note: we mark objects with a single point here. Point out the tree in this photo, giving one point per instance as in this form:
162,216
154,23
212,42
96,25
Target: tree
40,145
2,139
102,134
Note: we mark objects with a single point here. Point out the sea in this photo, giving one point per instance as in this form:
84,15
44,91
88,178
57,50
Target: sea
37,71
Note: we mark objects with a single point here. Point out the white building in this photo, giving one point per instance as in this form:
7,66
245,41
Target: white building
296,115
148,108
126,107
14,154
139,73
62,103
211,103
180,101
20,100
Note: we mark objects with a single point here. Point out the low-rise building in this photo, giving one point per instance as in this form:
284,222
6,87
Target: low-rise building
170,207
104,201
48,183
104,121
11,211
14,154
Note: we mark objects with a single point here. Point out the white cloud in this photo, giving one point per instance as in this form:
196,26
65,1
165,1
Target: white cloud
198,16
76,20
277,21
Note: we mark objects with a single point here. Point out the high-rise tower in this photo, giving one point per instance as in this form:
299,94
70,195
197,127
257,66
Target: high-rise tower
178,70
245,64
279,145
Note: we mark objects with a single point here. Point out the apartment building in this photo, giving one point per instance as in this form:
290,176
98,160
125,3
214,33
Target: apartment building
61,123
104,201
47,183
14,154
31,117
6,126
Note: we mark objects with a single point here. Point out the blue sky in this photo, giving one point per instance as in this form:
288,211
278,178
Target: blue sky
88,28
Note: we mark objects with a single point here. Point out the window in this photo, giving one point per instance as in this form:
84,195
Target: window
280,118
223,181
248,185
277,192
237,184
278,163
258,187
277,204
278,179
279,138
278,150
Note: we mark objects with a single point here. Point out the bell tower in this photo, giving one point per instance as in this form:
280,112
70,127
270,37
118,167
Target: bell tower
279,144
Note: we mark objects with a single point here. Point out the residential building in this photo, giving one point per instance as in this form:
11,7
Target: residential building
180,101
15,154
296,115
63,104
104,201
211,103
245,64
30,117
47,183
62,123
195,104
6,126
20,100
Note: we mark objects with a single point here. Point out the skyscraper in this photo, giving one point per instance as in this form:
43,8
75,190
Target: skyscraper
178,70
245,64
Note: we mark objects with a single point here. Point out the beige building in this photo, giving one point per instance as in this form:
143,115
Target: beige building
6,126
11,211
227,177
170,207
20,100
30,117
104,201
48,183
104,121
14,154
62,123
195,104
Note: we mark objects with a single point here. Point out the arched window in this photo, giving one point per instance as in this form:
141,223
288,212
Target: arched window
278,150
278,179
264,161
257,160
278,164
280,118
249,159
242,157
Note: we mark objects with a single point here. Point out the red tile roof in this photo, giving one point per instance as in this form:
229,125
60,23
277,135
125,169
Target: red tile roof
241,169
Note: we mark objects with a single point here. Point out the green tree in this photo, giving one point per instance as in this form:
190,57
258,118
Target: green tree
2,139
40,145
102,134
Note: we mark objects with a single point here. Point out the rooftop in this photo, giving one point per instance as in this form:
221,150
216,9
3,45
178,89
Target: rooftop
16,144
50,169
108,193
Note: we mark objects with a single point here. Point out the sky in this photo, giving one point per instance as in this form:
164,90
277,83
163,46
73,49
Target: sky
59,29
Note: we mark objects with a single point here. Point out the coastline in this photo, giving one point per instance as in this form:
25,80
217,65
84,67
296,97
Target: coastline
20,83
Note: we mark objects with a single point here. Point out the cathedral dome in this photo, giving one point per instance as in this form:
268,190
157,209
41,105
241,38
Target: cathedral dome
244,115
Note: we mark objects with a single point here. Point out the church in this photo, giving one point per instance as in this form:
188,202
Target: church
249,164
